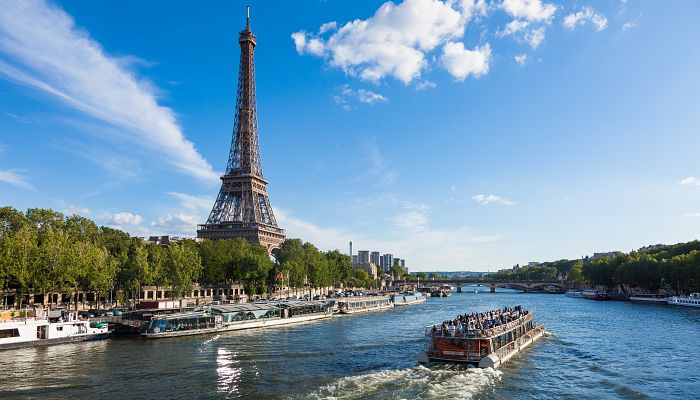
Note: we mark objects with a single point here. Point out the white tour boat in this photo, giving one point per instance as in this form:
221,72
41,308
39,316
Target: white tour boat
352,305
649,298
408,299
479,342
232,317
40,331
685,301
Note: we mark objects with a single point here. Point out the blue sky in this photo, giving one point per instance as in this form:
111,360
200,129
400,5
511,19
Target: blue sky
455,134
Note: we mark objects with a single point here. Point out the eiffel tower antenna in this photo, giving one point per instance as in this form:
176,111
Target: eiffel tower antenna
242,208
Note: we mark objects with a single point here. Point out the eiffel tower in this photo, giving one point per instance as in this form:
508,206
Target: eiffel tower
242,208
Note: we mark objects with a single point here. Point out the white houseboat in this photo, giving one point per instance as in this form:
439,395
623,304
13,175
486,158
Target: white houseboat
479,347
685,301
352,305
232,317
649,298
41,331
408,299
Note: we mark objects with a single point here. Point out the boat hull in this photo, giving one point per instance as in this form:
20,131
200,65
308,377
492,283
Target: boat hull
366,309
49,342
650,300
418,300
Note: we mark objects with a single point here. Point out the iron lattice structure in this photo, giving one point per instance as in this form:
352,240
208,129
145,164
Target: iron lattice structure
242,208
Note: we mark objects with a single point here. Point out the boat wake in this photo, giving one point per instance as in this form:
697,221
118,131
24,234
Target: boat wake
448,382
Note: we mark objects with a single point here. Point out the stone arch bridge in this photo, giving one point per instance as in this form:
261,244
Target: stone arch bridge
525,286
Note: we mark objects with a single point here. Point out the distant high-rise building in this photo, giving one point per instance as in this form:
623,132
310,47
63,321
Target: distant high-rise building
374,257
363,256
397,262
354,258
387,261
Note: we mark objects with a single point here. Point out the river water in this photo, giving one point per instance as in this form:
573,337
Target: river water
595,350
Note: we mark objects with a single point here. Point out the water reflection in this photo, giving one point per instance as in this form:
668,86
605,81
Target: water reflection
228,374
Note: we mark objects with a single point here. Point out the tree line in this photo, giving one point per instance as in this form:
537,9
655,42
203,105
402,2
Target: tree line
43,251
672,267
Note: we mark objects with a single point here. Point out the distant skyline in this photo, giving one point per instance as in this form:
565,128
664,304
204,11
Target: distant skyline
458,135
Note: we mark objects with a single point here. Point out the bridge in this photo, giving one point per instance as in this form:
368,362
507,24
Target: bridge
525,286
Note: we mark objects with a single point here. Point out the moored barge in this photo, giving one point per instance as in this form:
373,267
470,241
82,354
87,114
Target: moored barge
484,340
44,330
408,299
353,305
595,295
232,317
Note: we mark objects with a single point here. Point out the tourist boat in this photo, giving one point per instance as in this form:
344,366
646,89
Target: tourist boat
42,330
443,291
595,295
232,317
685,301
408,299
487,348
574,293
353,305
553,289
649,298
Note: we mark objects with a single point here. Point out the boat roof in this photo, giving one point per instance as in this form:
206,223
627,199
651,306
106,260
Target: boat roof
227,308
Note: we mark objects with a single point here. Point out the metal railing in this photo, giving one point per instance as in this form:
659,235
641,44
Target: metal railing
480,333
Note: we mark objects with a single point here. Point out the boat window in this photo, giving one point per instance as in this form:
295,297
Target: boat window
8,333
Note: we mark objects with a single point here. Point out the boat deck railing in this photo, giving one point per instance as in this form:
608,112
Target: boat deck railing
510,346
480,333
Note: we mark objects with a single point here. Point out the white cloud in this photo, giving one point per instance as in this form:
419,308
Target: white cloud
328,26
692,215
586,14
41,47
531,10
76,210
125,218
423,85
453,187
369,97
191,202
690,181
535,37
394,41
182,224
628,25
379,166
12,177
521,59
422,248
461,62
491,198
323,238
512,28
347,96
412,220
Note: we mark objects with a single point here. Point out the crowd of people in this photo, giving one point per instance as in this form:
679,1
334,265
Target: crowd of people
479,324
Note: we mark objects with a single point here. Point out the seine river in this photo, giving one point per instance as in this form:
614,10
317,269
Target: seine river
595,350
